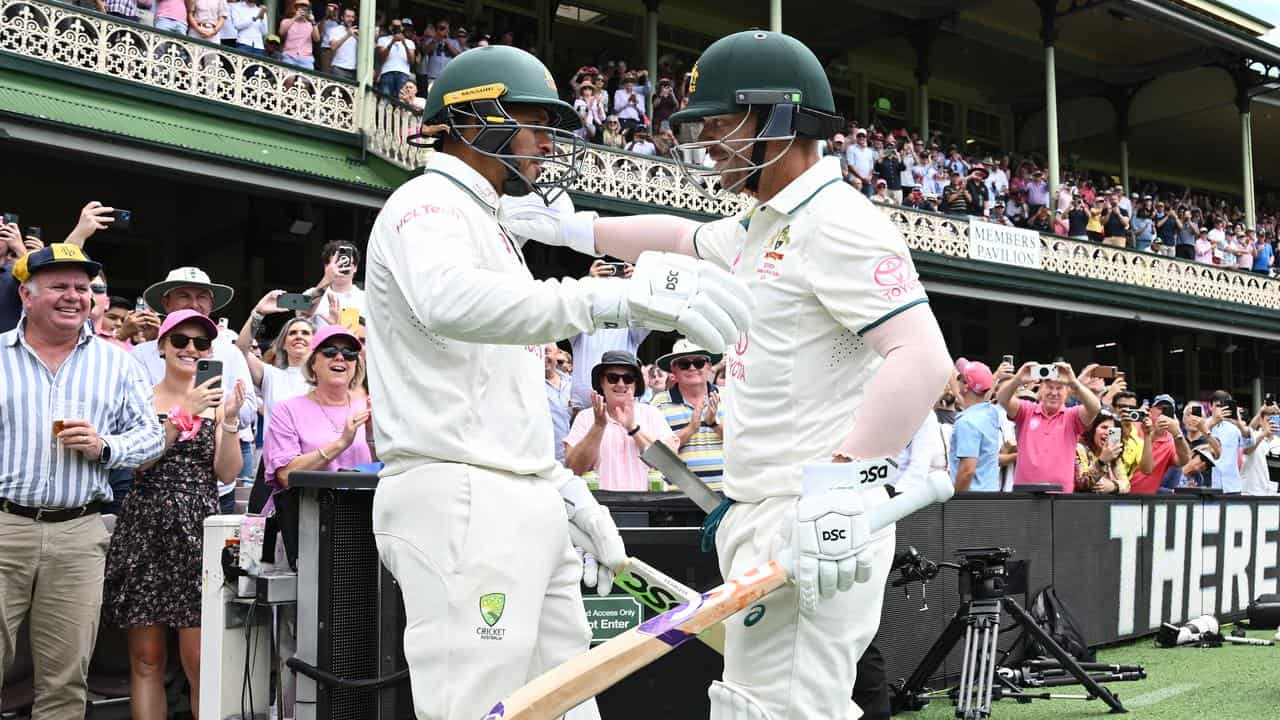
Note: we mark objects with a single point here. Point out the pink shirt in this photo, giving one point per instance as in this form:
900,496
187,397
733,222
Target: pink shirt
297,39
1047,445
108,337
299,425
619,464
172,9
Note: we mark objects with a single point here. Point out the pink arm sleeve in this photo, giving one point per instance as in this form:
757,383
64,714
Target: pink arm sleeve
627,237
915,369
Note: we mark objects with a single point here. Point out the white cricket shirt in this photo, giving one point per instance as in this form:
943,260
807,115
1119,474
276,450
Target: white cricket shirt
825,266
456,327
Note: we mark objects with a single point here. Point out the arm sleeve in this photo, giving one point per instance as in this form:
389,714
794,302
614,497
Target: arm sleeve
281,444
432,259
140,438
627,237
904,387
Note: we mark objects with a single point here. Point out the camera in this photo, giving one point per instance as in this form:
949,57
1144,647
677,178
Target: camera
121,219
986,574
1133,415
1042,372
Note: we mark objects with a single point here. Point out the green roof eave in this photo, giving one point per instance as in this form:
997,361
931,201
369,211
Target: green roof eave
51,102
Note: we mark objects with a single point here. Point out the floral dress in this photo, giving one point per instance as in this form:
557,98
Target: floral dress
154,561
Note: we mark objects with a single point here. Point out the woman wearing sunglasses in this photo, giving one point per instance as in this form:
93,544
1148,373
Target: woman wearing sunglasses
326,428
152,578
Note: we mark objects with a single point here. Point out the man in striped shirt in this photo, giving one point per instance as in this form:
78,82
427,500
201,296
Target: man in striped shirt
58,376
690,396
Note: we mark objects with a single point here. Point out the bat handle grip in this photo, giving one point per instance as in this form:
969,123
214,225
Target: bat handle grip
935,488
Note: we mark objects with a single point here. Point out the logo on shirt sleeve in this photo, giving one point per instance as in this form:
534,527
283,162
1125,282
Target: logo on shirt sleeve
895,276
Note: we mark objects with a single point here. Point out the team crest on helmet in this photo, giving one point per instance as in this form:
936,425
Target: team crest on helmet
693,79
491,607
551,82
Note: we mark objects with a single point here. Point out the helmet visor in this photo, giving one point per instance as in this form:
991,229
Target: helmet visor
495,130
702,163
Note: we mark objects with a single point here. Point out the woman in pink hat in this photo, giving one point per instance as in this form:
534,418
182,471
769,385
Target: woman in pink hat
326,429
152,578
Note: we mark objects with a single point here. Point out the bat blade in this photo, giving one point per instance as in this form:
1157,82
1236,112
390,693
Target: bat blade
564,687
660,592
665,460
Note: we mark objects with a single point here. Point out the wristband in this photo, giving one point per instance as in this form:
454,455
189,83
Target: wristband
233,429
633,430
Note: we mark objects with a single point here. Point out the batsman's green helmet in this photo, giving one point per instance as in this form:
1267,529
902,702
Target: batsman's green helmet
755,68
500,73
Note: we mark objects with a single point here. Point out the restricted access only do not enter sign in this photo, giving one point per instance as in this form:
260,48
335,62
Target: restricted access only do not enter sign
611,616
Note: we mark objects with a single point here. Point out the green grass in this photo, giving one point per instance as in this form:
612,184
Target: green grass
1233,681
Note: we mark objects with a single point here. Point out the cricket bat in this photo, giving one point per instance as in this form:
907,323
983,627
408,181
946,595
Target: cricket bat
660,592
566,686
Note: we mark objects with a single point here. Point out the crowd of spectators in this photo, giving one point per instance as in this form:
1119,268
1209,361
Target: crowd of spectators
1042,424
114,404
142,439
904,169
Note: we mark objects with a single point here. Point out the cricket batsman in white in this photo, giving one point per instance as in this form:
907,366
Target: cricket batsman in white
842,363
470,512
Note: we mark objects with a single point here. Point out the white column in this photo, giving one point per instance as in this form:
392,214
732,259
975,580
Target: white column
924,112
775,16
1124,165
651,43
1051,119
364,48
1246,145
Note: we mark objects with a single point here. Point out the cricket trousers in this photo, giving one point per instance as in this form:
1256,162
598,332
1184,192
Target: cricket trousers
797,666
490,583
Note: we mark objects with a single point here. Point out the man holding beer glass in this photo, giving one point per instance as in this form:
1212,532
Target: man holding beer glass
72,408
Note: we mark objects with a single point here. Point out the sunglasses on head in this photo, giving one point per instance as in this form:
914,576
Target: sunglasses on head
98,289
686,363
331,351
624,378
179,341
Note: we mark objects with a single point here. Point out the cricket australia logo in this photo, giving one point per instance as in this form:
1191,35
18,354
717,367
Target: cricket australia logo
491,607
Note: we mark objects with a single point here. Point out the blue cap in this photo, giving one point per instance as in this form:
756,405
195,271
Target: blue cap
1165,400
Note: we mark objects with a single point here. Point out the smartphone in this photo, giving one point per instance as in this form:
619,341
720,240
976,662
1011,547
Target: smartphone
345,259
34,232
1113,436
293,301
121,219
1229,410
206,369
619,268
11,218
1106,372
1274,420
1198,410
1007,359
223,323
140,305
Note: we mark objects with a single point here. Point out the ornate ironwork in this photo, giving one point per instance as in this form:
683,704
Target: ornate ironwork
94,43
949,236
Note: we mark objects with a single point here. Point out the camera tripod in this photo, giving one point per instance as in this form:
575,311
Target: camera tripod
985,578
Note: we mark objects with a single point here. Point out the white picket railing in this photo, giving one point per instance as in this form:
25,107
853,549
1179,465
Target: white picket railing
104,45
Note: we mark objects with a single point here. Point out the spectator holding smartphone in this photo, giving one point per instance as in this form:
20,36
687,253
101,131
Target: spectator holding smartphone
1098,465
153,568
1233,437
341,263
93,217
396,54
300,32
1265,434
281,378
